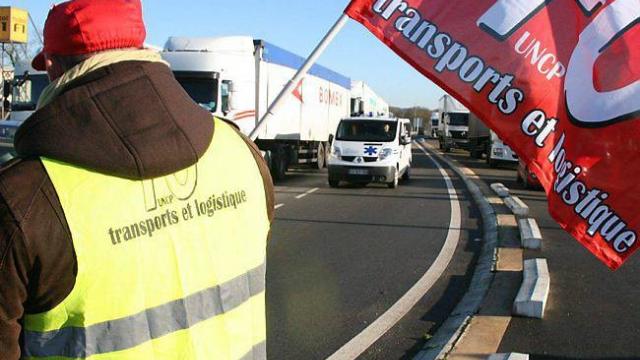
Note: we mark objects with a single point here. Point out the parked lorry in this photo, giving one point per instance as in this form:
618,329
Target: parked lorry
454,124
365,102
237,77
483,140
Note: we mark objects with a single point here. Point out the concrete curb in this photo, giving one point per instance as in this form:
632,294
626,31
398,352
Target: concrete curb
532,296
509,356
500,190
517,206
445,338
530,235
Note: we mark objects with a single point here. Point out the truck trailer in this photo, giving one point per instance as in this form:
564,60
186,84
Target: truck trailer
453,125
238,77
483,140
365,101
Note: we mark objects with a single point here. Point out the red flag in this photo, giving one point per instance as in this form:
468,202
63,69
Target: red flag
559,82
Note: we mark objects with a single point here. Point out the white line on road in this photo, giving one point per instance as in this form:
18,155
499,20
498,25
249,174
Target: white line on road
278,206
307,193
356,346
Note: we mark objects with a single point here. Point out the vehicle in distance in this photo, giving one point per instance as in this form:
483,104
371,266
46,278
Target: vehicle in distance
453,124
367,150
483,140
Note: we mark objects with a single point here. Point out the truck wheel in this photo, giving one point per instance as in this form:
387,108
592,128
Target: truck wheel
525,182
321,155
394,183
518,178
491,162
334,183
279,164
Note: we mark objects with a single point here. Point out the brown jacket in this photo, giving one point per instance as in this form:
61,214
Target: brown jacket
130,119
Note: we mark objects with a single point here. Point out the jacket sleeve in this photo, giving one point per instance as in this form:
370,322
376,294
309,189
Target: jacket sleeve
14,268
37,261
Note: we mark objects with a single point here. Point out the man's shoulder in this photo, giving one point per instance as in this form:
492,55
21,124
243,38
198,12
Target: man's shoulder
21,180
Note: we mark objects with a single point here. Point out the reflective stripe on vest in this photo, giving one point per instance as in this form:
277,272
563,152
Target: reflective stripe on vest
168,268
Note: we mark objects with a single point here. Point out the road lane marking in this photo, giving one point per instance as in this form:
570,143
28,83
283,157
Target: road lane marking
278,206
307,193
361,342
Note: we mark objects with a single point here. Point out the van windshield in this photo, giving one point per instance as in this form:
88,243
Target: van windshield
202,90
363,130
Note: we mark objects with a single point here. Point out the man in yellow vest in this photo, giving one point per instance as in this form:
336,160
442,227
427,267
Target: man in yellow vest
133,225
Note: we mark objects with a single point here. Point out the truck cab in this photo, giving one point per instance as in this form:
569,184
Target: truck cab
453,124
369,149
27,86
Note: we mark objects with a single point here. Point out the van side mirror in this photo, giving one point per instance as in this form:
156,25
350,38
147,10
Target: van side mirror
330,139
405,139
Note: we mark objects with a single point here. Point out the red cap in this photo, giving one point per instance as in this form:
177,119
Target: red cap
85,26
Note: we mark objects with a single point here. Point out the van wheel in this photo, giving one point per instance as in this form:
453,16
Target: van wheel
407,174
394,183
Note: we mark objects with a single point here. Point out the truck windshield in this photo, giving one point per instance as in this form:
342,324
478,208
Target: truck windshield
458,119
202,90
363,130
27,90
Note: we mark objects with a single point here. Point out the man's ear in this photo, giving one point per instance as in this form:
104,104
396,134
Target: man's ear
54,70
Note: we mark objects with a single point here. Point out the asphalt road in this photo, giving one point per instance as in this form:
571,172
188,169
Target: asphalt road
592,312
339,258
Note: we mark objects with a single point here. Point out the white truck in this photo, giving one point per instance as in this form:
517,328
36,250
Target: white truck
237,77
483,140
365,101
435,124
454,124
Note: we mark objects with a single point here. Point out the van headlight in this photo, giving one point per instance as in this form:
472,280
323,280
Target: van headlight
336,153
385,153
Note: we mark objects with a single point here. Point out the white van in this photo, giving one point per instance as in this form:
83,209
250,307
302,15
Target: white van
369,150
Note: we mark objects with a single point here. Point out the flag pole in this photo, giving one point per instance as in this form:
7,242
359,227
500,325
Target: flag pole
273,108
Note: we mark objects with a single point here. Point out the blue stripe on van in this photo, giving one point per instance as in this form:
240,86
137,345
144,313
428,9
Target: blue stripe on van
277,55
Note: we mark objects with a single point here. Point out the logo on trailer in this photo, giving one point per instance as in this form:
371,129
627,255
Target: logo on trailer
297,92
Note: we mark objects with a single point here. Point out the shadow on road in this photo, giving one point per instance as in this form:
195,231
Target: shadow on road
400,226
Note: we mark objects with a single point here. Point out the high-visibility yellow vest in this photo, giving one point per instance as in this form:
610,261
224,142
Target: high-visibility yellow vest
169,268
